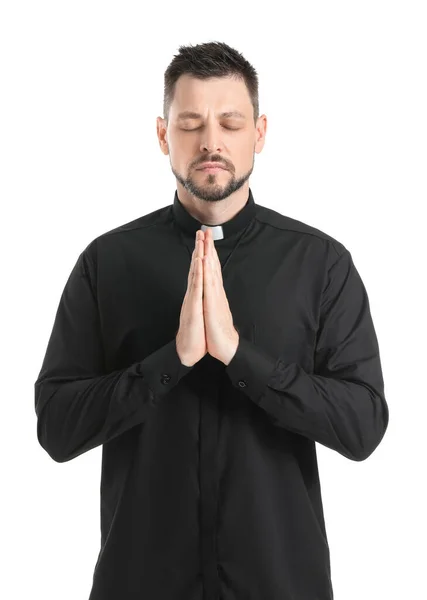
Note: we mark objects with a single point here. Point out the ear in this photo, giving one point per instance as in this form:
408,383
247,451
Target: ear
260,133
161,127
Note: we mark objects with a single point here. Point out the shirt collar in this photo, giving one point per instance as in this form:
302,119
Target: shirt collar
237,223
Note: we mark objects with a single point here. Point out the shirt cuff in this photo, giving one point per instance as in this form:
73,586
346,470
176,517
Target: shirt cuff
250,369
162,369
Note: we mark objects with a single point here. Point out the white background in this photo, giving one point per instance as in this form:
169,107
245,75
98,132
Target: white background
343,85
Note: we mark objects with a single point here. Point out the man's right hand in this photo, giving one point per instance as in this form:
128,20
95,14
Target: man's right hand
191,339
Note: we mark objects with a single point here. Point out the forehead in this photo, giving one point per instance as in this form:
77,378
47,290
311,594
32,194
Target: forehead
222,94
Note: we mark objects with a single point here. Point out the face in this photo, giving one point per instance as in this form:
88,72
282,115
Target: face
211,120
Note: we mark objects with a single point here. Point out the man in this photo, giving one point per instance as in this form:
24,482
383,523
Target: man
207,346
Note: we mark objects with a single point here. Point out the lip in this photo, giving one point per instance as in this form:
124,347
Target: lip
211,165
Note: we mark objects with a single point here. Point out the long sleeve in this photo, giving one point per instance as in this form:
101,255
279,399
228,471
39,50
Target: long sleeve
78,405
341,404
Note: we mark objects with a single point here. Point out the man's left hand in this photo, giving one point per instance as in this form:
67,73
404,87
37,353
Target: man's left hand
222,338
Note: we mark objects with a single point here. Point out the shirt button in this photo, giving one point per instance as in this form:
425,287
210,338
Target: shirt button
165,378
242,383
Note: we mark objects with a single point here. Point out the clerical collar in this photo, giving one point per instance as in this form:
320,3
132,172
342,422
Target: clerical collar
237,223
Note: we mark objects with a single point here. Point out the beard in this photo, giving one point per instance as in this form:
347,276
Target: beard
211,187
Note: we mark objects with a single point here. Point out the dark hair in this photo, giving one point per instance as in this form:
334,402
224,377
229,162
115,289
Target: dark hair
211,59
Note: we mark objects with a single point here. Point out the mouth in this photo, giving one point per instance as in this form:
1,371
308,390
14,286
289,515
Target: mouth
211,169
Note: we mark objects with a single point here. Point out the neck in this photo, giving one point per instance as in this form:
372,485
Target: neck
217,212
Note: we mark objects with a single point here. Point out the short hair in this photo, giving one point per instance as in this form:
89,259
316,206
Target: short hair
211,59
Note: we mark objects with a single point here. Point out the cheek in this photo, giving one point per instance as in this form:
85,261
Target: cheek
185,152
242,157
242,148
181,146
180,158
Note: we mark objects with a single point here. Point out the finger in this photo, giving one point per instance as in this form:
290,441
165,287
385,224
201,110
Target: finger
205,272
210,300
189,280
216,262
216,258
212,259
209,275
210,248
200,247
191,269
195,281
206,245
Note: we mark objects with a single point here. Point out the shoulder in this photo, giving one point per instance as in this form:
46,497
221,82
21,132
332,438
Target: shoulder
113,238
302,231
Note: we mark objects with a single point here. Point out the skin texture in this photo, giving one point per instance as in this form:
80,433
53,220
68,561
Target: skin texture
212,198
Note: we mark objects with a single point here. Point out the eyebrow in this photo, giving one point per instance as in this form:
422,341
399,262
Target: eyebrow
188,114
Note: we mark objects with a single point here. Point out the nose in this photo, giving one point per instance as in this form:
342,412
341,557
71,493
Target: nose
210,141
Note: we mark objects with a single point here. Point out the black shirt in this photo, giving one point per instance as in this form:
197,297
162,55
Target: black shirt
209,484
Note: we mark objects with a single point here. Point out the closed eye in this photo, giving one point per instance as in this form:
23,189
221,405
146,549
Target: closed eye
224,126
